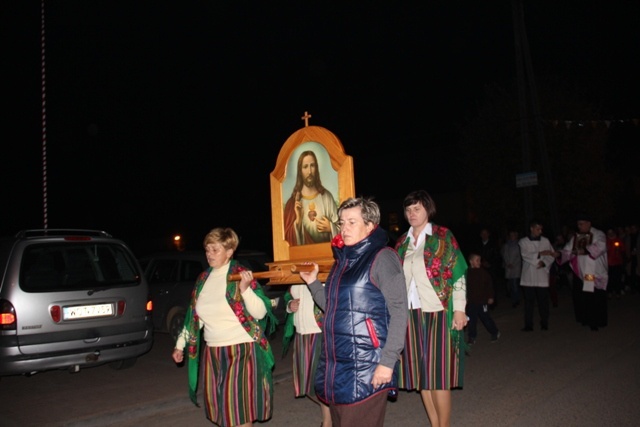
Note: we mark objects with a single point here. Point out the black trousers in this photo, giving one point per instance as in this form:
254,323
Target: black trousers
479,311
590,308
532,296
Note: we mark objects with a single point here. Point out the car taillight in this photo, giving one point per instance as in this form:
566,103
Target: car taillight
121,307
149,306
7,316
56,313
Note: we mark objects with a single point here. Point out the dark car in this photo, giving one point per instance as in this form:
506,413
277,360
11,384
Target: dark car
172,275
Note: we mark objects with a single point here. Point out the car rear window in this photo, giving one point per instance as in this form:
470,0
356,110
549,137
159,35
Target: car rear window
191,270
64,267
174,270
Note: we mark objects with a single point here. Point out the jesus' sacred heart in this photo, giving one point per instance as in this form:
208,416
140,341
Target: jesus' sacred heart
312,211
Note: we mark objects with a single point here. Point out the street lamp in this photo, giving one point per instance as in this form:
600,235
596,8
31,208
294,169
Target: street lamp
178,243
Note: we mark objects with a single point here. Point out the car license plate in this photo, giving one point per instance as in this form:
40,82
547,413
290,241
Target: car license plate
87,311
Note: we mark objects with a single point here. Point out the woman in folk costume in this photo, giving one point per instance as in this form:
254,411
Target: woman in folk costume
304,326
434,267
231,317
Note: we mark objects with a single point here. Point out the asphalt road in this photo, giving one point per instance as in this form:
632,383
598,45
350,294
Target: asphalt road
567,376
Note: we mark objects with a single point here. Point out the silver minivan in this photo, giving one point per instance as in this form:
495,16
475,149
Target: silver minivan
71,299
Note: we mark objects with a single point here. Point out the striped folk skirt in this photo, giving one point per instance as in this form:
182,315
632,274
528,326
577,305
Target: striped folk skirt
234,393
306,353
430,361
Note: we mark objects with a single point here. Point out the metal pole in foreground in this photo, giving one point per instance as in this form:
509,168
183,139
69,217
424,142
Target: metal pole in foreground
44,116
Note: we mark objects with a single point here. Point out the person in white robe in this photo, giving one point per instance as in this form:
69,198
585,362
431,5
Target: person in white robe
538,256
586,252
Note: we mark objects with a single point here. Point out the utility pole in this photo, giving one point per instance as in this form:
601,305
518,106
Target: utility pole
44,116
529,110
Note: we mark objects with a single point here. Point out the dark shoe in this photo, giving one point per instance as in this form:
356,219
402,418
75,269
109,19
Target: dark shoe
544,328
526,329
495,337
471,341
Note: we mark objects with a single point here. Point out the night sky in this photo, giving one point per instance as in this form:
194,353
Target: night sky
167,117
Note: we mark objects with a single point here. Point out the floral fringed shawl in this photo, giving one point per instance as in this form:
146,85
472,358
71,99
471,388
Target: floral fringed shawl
255,328
445,265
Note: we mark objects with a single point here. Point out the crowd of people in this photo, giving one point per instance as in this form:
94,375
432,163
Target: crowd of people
622,262
391,315
592,264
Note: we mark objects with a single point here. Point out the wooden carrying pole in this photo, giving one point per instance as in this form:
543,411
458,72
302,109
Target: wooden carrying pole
279,274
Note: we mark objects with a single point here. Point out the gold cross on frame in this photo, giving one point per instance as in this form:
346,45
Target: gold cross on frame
306,118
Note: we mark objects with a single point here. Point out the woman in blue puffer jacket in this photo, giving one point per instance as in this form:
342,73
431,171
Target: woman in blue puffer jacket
365,305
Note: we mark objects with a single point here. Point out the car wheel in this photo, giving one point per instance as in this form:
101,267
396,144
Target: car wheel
123,364
175,322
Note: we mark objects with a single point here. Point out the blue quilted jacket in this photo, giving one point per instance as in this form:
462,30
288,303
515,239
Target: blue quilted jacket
355,325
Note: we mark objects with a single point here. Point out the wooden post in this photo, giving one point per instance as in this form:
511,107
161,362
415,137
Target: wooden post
279,274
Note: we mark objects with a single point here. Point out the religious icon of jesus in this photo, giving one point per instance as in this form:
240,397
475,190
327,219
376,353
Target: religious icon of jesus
311,212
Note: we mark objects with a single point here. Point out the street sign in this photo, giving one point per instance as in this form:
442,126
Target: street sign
526,179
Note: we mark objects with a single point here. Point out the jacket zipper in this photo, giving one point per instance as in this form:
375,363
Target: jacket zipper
372,333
